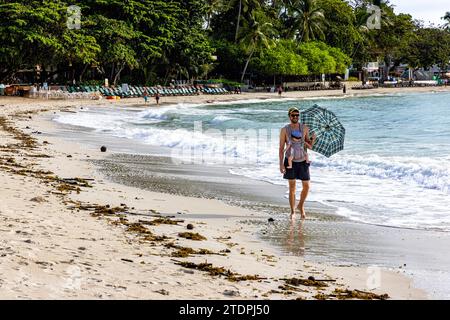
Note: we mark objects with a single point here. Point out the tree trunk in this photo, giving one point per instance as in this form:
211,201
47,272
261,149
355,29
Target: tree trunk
117,77
238,21
73,74
246,64
112,71
82,72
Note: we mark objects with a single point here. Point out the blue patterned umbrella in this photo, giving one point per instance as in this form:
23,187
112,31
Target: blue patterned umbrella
325,125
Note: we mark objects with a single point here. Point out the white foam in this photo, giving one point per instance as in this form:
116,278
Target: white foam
422,171
374,200
221,119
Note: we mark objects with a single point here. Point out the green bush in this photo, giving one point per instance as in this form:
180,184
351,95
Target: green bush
225,82
93,83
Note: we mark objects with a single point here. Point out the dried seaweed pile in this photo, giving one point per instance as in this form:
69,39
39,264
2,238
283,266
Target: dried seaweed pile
184,252
219,271
351,294
192,236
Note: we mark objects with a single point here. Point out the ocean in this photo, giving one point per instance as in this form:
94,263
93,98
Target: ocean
394,170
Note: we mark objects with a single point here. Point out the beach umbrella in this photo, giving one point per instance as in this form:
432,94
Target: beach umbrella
325,125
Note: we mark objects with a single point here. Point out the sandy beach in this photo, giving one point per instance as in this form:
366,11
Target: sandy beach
70,232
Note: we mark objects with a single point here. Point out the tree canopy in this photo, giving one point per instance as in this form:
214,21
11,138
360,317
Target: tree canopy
155,41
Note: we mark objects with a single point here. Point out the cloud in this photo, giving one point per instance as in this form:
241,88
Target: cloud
428,11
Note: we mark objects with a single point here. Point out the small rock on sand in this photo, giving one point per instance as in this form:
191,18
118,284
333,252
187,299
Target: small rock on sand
38,199
231,293
163,292
190,226
103,149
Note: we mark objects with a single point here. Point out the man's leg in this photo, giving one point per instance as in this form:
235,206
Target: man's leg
303,196
292,196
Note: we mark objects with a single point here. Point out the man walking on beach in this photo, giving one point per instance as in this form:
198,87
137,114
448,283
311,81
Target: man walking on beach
294,135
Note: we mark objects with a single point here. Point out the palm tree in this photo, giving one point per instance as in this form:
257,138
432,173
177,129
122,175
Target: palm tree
305,20
256,36
213,6
369,43
447,19
244,6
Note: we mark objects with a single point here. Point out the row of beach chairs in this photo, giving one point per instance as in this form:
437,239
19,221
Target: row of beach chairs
139,91
62,94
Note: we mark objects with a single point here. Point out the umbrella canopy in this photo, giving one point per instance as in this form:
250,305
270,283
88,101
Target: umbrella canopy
325,125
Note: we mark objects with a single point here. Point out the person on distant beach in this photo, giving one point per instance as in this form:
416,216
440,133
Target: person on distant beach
145,96
157,97
280,91
300,165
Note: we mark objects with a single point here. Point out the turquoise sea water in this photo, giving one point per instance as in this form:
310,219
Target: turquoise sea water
394,171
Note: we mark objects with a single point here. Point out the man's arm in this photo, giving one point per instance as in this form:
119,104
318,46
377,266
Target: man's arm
281,149
308,142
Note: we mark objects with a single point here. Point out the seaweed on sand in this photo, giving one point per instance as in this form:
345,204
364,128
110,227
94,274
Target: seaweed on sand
218,271
191,236
184,252
103,210
26,141
305,282
158,221
146,234
357,294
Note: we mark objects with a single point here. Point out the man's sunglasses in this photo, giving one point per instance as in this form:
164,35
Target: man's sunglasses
295,115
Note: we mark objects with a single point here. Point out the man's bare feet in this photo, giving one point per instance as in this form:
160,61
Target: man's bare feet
302,211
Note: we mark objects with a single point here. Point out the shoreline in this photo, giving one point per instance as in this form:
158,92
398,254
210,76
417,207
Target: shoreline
118,242
205,99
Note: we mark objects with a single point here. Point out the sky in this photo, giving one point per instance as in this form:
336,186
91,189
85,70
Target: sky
427,10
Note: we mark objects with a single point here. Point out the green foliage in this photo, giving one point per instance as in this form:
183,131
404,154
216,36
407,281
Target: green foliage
446,18
282,59
154,41
304,20
230,58
341,31
429,47
290,58
319,61
256,36
225,82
